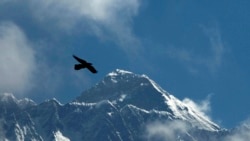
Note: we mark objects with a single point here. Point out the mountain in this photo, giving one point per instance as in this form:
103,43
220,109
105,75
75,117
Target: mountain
122,107
123,88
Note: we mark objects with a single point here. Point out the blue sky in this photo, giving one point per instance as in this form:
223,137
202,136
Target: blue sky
193,49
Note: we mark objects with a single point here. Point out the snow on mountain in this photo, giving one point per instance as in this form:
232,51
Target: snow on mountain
120,107
59,136
124,87
9,98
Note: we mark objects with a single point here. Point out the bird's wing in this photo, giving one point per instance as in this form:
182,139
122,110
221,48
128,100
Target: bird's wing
92,69
80,60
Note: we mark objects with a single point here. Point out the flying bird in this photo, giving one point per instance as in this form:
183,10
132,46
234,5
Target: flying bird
84,64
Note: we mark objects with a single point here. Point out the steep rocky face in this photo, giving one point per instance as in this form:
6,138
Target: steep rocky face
123,106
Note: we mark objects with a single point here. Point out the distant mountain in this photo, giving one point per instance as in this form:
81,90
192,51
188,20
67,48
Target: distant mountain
122,107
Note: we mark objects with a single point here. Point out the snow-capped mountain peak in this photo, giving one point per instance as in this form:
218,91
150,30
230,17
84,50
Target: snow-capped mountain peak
126,88
119,75
7,97
10,99
120,107
119,72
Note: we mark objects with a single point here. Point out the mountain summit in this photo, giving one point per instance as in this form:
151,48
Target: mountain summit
123,88
123,106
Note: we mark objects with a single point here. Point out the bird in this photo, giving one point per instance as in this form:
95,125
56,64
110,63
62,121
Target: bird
84,64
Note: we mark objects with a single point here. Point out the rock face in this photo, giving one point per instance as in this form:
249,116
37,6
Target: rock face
122,107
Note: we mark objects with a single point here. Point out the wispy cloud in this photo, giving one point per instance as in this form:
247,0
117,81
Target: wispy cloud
194,60
23,67
171,130
106,19
17,59
102,11
166,131
203,106
180,130
217,48
242,133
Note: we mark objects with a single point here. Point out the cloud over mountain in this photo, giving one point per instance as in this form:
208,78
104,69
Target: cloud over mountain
17,59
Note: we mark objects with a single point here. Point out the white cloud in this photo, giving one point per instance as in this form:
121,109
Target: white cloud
166,131
178,130
105,11
242,133
107,19
241,136
203,107
53,20
17,59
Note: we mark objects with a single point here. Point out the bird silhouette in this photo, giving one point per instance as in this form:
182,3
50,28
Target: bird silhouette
84,64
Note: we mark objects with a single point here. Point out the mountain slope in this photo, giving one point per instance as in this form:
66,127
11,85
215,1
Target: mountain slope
123,88
122,107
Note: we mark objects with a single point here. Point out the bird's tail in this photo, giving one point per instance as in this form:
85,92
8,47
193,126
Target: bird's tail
78,66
